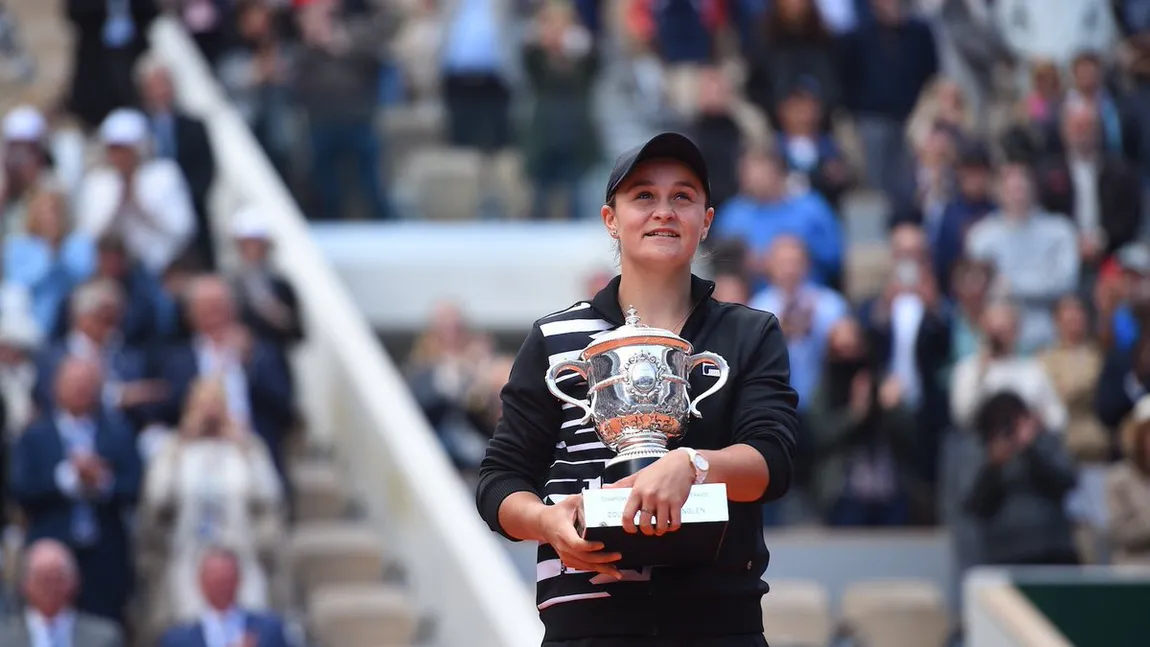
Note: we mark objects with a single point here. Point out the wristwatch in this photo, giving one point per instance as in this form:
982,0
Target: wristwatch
699,463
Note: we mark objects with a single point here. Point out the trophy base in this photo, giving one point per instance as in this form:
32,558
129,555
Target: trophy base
697,541
621,467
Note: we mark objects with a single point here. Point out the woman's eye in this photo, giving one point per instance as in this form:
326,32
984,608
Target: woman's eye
682,196
644,195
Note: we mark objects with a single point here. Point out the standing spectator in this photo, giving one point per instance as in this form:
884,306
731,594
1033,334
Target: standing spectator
561,62
75,474
764,210
49,260
214,484
796,48
1019,491
885,66
971,203
806,311
51,580
110,36
718,132
145,201
226,621
684,38
183,139
1128,490
1035,255
998,366
336,79
863,433
268,303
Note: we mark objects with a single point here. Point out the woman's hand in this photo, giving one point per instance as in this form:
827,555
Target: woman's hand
557,525
658,491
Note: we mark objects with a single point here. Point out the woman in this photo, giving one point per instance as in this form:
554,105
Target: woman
1128,491
539,460
214,484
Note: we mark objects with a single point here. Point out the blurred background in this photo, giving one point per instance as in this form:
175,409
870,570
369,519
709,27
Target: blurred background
266,263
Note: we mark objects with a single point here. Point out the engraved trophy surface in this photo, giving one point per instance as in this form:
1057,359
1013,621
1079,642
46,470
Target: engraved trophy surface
638,392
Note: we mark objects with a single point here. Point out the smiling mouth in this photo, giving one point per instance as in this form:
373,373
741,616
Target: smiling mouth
661,234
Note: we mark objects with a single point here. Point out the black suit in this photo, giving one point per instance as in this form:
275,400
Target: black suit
191,149
102,77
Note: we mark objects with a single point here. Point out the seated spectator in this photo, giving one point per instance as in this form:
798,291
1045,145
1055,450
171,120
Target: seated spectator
998,366
941,104
931,186
1073,365
1088,86
971,289
1035,255
225,621
1128,491
561,143
765,210
75,474
256,380
1019,491
26,165
144,201
1098,191
863,436
1124,381
908,327
181,138
1040,106
97,308
214,484
50,583
1122,297
267,302
49,259
20,337
806,311
813,157
970,203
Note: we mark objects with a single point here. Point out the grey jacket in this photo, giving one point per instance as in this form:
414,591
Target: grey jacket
89,631
1020,504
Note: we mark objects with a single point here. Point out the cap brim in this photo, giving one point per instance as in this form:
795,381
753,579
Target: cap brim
665,146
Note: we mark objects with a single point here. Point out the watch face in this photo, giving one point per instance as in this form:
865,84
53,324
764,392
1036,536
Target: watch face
701,463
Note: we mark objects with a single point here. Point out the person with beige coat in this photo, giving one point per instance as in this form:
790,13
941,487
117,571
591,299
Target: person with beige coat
1128,491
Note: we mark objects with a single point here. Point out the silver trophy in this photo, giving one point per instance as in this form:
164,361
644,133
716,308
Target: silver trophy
637,390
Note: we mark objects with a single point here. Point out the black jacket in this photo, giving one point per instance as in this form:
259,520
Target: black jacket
539,447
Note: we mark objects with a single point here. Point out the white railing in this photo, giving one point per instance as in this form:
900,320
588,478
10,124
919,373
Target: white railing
357,401
998,615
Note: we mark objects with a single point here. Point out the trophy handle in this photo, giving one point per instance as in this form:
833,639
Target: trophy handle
577,366
724,371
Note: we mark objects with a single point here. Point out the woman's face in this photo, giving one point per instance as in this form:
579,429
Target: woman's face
46,218
660,215
1072,320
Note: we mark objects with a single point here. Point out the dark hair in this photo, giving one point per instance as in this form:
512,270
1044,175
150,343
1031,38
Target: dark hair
999,413
812,28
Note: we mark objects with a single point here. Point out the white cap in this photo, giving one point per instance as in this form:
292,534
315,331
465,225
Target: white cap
124,127
249,222
24,124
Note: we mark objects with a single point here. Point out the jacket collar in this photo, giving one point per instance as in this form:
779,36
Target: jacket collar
606,302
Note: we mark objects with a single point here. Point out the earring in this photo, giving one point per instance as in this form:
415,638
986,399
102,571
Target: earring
614,233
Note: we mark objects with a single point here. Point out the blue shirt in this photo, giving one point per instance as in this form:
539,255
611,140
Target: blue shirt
473,42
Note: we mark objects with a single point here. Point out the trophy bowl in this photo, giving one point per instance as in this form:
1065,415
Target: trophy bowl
638,394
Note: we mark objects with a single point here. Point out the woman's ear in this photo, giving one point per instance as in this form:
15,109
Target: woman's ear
609,220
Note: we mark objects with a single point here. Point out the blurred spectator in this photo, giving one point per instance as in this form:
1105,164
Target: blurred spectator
909,331
716,129
1055,29
796,49
1044,98
75,474
1019,491
96,312
26,165
19,339
813,157
731,287
764,210
416,48
110,36
1134,58
943,105
1035,254
979,49
256,71
478,59
268,303
998,366
256,380
1088,86
145,201
926,193
1073,365
971,282
16,65
684,38
1097,190
183,139
51,580
205,21
213,485
863,433
561,63
970,203
1128,490
336,81
226,621
886,63
806,311
484,405
48,259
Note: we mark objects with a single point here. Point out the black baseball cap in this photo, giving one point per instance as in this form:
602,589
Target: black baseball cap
668,145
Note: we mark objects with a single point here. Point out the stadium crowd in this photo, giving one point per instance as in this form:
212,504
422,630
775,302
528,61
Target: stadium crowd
989,371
